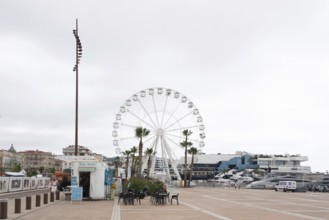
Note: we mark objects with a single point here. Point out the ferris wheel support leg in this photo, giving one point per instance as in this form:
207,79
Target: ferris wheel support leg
164,152
173,164
155,146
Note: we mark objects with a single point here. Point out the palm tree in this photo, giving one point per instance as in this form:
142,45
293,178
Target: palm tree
149,152
185,144
133,151
127,154
116,165
140,133
192,151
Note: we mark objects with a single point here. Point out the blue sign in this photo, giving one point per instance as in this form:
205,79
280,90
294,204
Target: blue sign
74,181
108,177
76,193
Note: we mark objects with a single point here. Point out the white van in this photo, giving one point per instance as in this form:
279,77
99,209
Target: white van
286,186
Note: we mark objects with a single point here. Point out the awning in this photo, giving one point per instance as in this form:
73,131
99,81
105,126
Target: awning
87,169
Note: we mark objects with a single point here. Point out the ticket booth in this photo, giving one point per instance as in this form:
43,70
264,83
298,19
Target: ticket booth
90,176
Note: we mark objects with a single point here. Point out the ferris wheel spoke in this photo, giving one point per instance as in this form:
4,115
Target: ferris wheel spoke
178,120
177,136
127,138
155,111
154,143
164,110
150,138
169,151
148,115
172,141
140,119
175,143
172,114
127,125
174,135
184,128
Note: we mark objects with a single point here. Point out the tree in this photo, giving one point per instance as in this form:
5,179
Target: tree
127,154
133,151
149,152
51,170
185,144
140,133
16,167
42,169
31,171
116,165
192,151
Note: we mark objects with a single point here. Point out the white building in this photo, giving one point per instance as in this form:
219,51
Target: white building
91,177
284,163
88,173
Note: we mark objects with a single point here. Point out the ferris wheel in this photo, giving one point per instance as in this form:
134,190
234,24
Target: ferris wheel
165,113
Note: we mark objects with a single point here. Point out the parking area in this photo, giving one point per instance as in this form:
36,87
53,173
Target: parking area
230,203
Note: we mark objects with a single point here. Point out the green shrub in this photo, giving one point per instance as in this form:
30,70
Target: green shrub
150,185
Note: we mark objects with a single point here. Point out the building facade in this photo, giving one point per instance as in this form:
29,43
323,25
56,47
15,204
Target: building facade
9,160
283,164
37,159
82,151
208,165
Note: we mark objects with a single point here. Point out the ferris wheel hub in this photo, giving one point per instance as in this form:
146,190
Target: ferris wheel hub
160,132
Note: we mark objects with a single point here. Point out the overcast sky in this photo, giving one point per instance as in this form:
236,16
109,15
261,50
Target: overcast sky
258,71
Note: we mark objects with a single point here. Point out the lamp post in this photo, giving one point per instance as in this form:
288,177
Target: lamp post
78,53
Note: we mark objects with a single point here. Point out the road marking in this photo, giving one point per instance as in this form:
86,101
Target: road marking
151,210
116,214
267,209
309,200
305,210
205,211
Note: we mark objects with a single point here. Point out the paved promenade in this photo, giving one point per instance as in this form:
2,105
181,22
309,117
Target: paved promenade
195,204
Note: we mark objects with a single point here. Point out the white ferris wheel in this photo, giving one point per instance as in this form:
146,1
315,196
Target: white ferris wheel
166,113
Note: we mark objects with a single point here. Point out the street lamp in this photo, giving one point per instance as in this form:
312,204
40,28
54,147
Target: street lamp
78,53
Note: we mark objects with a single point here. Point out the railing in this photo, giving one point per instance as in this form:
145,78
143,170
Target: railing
13,184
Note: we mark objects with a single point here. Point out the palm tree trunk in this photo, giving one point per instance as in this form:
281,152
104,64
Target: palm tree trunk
127,164
149,167
191,169
140,155
185,168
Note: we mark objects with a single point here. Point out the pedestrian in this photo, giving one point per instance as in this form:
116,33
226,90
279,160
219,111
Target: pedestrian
54,185
113,188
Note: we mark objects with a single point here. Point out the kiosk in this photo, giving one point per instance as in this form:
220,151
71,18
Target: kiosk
89,175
